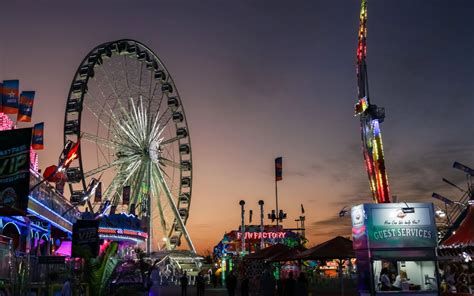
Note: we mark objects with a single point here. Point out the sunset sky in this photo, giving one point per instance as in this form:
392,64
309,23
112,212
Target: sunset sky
261,79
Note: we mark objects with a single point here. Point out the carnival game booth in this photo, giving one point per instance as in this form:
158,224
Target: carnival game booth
395,246
455,254
274,238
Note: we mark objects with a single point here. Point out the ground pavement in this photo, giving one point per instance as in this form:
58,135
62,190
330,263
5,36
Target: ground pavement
210,291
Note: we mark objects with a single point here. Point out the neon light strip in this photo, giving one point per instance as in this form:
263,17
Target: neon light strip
118,237
119,231
52,222
45,207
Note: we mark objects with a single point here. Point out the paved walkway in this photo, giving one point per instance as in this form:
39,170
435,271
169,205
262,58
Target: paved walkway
176,291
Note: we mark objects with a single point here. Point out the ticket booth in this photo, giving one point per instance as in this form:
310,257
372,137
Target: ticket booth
395,246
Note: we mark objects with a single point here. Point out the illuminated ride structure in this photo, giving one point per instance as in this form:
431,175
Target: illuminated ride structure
125,110
47,225
371,117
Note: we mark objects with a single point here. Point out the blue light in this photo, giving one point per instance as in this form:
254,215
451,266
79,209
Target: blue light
52,222
376,127
51,211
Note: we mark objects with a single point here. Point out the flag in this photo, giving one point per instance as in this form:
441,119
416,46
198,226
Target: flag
71,154
278,168
126,195
37,141
302,209
10,96
25,106
1,94
98,193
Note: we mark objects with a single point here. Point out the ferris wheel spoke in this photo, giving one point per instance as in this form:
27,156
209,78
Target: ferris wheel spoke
150,99
155,190
169,141
126,172
107,110
99,140
170,163
172,204
98,170
114,89
165,117
104,167
139,181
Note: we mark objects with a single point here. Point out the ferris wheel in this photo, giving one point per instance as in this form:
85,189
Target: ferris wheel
125,110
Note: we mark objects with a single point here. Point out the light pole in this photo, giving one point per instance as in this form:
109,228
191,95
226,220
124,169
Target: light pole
242,227
261,203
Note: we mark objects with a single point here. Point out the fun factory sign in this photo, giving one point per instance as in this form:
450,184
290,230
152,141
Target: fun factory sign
393,225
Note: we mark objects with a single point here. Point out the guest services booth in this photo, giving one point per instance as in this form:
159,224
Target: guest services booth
395,246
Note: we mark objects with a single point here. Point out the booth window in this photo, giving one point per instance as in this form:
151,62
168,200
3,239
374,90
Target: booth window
401,276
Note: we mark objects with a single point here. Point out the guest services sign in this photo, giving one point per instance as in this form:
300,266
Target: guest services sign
395,225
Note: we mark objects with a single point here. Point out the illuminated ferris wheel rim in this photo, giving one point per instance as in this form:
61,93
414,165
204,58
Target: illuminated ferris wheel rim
74,111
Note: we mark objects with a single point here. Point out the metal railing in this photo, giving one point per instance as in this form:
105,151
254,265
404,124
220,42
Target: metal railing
48,196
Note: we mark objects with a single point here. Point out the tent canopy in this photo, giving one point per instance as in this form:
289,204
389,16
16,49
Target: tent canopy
336,248
464,234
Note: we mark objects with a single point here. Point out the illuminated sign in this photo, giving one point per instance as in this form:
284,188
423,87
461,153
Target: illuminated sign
393,226
259,235
122,232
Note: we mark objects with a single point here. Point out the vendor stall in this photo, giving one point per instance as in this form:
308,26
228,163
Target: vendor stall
395,246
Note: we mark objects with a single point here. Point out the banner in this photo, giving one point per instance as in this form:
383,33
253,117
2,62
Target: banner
37,142
279,168
14,171
126,195
25,106
1,94
85,238
10,96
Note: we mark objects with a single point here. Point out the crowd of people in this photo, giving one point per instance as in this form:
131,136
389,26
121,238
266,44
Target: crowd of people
456,277
290,286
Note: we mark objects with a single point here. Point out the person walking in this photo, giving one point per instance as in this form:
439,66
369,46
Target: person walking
289,289
184,284
231,284
66,289
302,285
200,284
267,284
244,286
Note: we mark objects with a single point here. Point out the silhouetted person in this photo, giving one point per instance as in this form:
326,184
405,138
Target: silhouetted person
231,284
200,284
290,285
302,285
280,286
184,284
214,279
267,284
244,286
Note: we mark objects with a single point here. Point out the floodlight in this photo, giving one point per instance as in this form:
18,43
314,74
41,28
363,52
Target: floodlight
442,198
454,185
464,168
440,213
